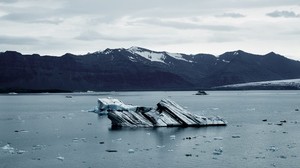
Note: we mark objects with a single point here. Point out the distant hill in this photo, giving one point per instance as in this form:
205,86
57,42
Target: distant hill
139,69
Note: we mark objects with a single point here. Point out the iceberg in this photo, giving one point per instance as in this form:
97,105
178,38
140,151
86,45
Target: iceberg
106,105
166,114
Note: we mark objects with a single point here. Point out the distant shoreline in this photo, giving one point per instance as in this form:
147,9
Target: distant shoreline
7,91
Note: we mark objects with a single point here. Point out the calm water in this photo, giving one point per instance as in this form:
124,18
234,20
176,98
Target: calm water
42,127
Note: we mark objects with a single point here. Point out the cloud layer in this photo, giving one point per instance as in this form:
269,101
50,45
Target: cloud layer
285,14
208,26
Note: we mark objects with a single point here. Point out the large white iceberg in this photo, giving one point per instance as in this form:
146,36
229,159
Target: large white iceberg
106,105
166,114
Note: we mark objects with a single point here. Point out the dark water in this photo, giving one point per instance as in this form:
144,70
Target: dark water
50,130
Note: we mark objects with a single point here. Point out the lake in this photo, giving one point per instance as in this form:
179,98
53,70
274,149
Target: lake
52,130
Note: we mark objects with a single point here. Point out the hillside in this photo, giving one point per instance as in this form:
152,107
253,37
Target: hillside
139,69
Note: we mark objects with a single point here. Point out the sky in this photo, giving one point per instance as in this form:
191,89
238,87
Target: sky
56,27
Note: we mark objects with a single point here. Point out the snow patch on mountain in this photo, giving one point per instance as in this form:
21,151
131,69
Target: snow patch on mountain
150,55
177,56
154,55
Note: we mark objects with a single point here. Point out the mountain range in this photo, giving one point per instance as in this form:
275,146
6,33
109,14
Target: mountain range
138,68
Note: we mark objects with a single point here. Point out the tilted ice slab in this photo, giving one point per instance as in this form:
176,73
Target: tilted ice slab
166,114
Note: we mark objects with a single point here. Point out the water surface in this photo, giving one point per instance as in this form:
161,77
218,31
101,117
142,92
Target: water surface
50,130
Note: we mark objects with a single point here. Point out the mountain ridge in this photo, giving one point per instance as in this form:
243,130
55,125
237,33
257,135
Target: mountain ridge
137,68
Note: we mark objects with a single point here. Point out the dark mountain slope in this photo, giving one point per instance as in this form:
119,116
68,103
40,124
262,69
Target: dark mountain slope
139,69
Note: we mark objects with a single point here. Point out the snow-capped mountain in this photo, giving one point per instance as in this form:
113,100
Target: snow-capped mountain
138,68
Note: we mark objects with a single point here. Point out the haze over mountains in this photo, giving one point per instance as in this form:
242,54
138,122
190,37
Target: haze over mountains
140,69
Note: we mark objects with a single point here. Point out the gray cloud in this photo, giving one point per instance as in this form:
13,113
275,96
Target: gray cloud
93,36
8,1
231,15
14,40
184,25
113,9
223,38
285,14
29,17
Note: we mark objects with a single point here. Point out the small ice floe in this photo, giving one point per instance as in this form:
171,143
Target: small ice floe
218,151
111,150
260,157
160,146
170,150
21,131
282,157
38,147
236,136
20,151
218,138
148,133
272,149
9,149
60,158
173,137
75,139
131,151
251,109
291,146
189,138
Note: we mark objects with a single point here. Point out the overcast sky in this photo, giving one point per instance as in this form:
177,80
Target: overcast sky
55,27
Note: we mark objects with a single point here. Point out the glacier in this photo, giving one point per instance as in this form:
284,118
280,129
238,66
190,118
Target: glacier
166,114
288,83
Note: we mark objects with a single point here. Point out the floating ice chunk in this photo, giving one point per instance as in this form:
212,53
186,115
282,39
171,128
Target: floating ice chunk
235,136
38,147
130,150
272,149
218,151
111,150
75,139
8,148
60,158
21,131
173,137
218,138
20,151
160,146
